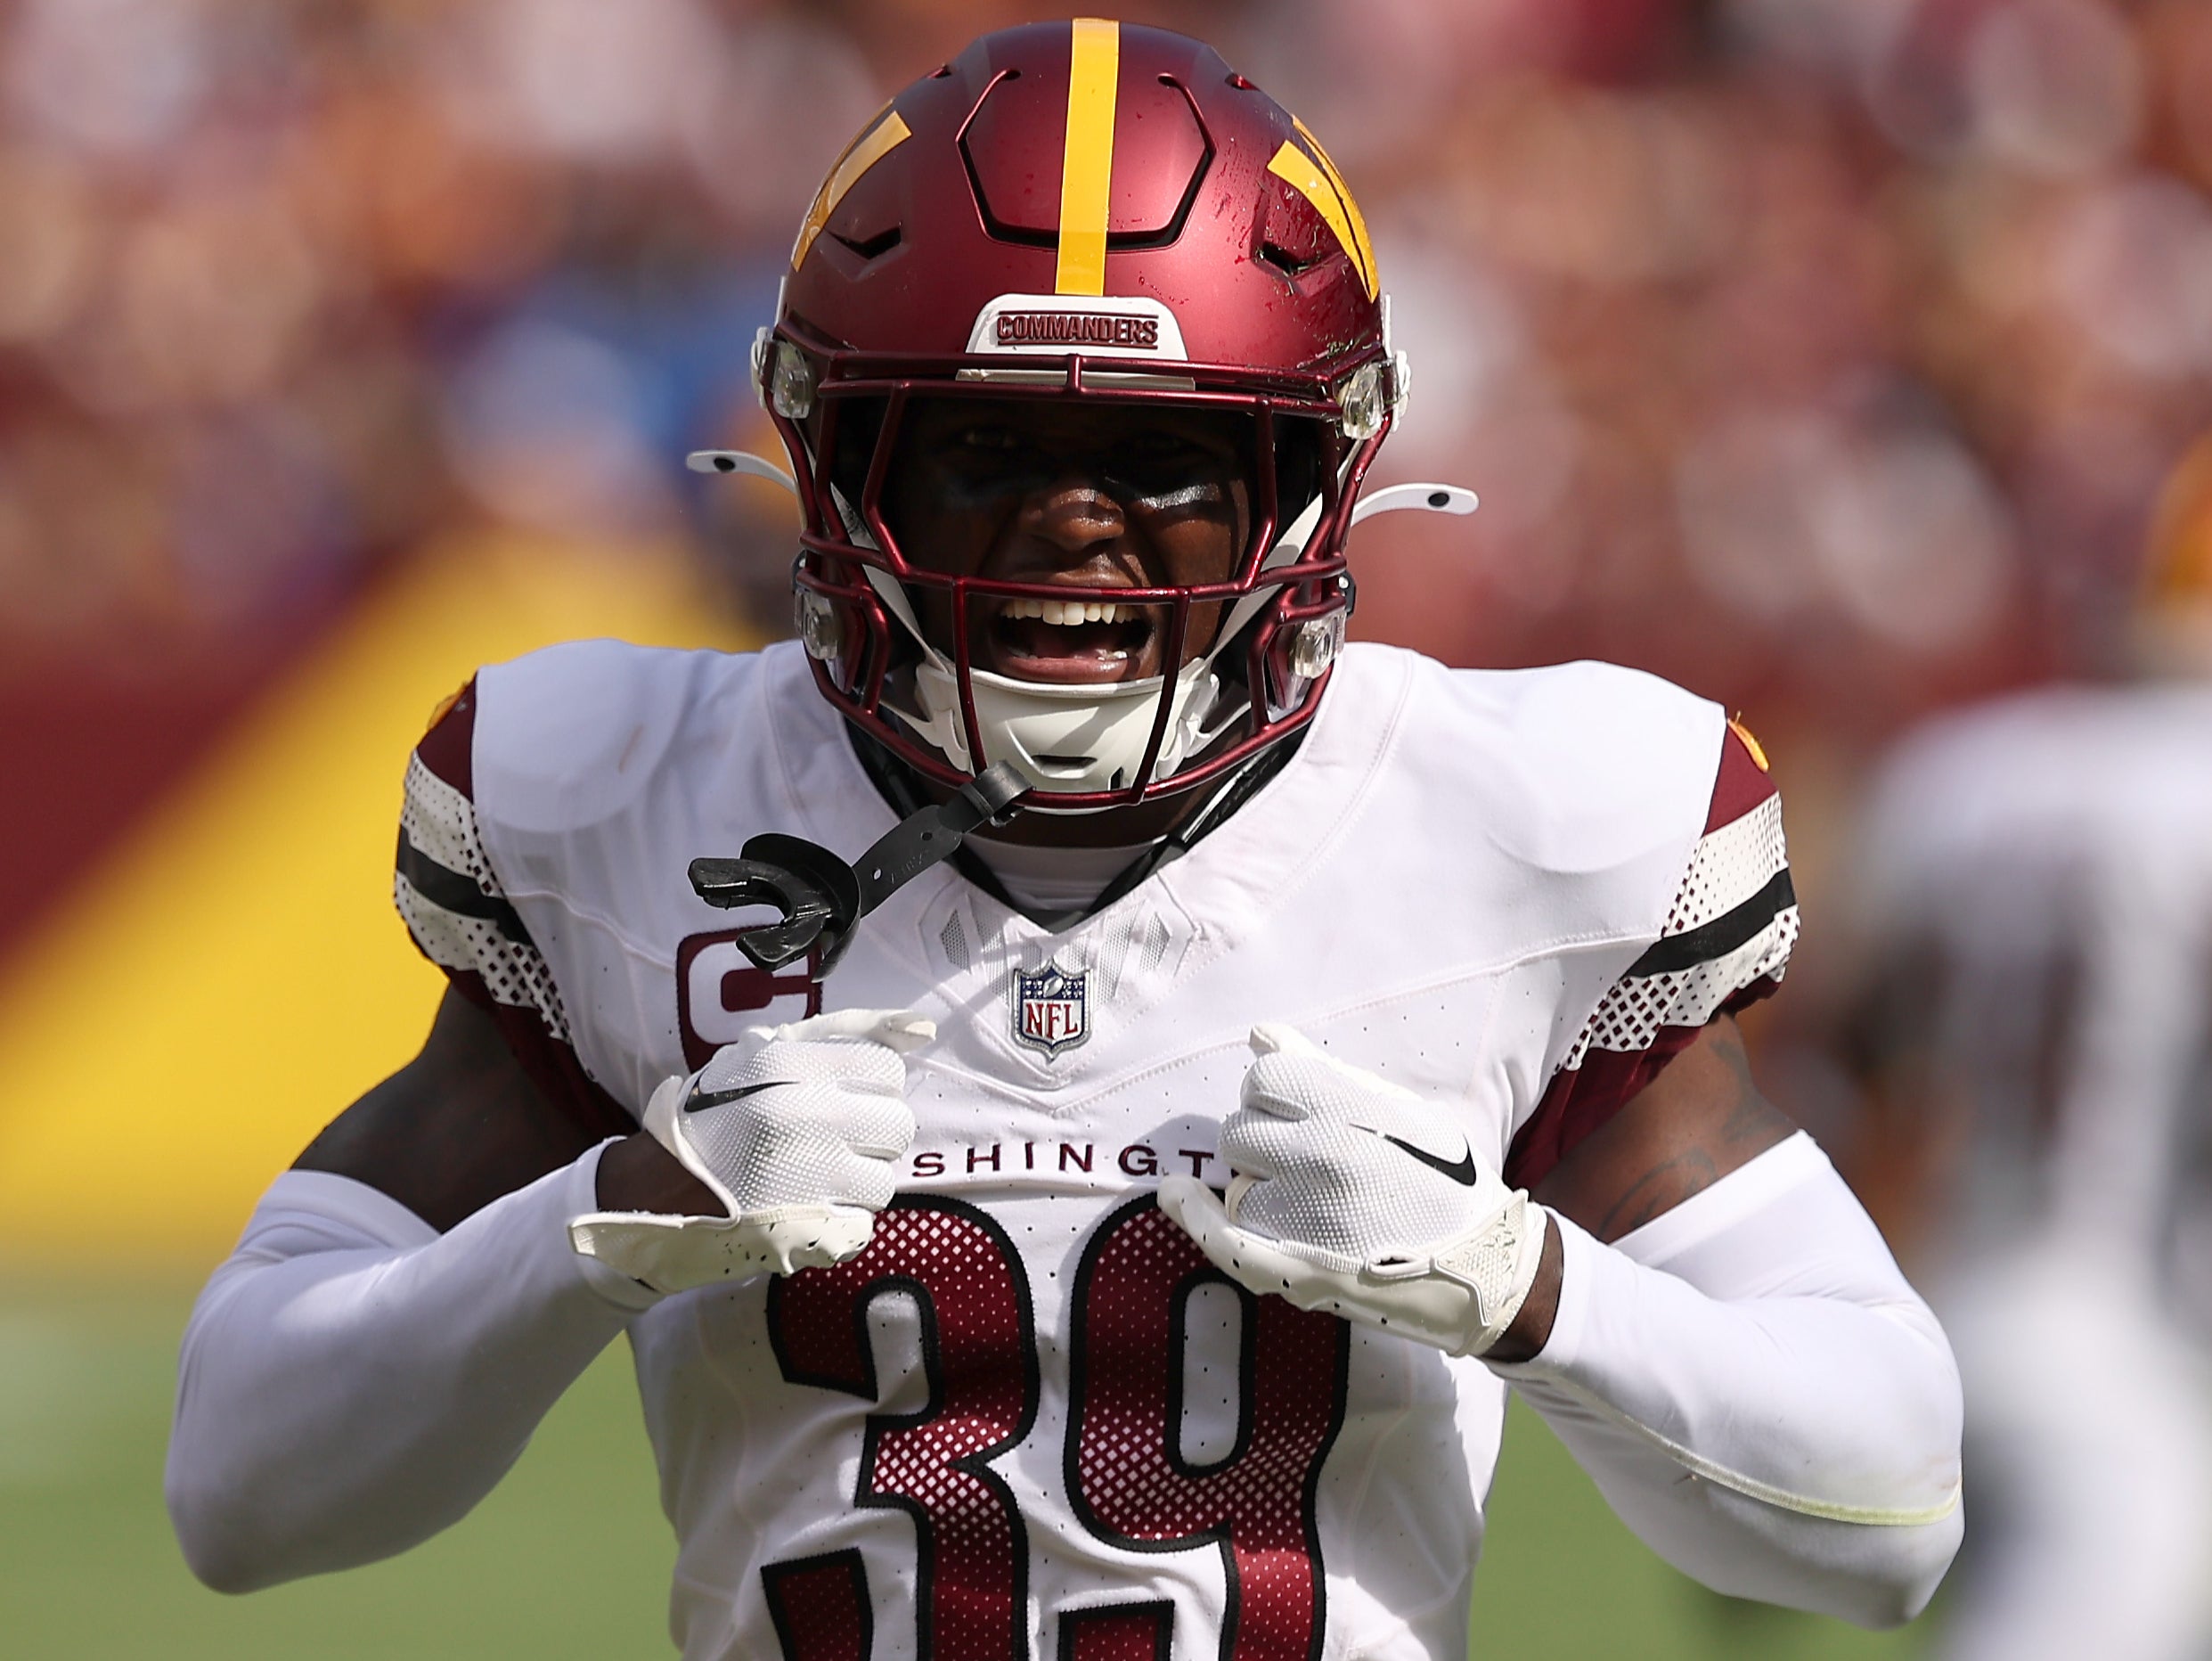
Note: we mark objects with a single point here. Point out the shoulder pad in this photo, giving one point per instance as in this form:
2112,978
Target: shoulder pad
1594,767
571,735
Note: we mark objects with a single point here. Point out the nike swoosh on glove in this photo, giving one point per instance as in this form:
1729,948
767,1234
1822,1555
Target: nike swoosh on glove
1355,1196
796,1130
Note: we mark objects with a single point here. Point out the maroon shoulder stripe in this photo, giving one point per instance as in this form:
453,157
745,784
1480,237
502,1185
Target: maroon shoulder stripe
448,749
1742,784
1582,1098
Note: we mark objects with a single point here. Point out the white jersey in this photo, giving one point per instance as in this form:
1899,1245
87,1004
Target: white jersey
2037,876
1030,1420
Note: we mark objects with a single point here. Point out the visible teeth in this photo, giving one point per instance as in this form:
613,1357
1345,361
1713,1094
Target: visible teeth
1067,613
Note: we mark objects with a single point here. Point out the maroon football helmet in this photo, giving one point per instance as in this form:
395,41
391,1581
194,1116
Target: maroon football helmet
1104,214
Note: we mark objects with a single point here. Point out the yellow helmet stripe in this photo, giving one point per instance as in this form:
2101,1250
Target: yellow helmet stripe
1314,176
1087,165
876,141
1363,250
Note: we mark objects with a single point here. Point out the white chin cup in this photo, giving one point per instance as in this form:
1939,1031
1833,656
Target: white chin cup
1066,738
1080,738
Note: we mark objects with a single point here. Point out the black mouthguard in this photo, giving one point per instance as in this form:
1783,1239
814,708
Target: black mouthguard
821,897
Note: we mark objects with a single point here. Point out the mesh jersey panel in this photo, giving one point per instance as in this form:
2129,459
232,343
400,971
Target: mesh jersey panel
450,898
439,824
1735,917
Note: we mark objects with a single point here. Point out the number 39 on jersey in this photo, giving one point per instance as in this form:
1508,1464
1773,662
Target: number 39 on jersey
1128,1480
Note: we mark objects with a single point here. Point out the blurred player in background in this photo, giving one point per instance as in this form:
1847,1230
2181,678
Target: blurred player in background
2035,893
1127,1253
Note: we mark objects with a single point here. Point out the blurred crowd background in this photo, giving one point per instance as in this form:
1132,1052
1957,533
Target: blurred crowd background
1825,356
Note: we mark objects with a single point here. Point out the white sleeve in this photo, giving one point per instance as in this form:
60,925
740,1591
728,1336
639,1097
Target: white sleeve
352,1381
1759,1395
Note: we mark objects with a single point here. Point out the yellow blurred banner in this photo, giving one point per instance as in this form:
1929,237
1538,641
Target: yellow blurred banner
236,974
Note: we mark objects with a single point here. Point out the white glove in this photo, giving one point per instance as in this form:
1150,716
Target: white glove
794,1129
1355,1196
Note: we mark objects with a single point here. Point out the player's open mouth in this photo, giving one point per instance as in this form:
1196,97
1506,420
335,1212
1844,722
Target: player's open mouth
1081,640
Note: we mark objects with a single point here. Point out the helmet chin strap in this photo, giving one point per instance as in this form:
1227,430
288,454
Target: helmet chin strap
821,898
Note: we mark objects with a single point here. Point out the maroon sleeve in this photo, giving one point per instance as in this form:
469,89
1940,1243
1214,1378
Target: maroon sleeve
458,918
1725,945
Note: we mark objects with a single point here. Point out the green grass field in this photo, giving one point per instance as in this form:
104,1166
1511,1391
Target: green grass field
569,1558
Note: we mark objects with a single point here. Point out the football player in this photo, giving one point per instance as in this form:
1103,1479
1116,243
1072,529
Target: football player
2033,908
1120,1241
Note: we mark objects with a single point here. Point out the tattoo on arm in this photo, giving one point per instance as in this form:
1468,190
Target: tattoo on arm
1750,1128
1700,1118
1659,1190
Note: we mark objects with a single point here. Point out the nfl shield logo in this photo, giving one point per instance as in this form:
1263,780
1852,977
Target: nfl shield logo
1050,1012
